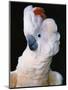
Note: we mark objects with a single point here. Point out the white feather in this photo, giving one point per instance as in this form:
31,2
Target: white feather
35,65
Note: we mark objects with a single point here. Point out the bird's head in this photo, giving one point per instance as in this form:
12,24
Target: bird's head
40,32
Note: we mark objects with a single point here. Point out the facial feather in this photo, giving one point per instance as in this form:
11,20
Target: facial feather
44,31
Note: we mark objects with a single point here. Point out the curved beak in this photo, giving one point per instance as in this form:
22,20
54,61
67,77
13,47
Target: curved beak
31,41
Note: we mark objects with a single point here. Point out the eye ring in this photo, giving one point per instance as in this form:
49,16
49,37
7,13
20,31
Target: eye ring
39,35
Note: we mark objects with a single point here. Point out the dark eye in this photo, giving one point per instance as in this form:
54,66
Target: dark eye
39,35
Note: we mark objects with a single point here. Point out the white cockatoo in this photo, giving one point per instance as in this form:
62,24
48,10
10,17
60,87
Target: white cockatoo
42,37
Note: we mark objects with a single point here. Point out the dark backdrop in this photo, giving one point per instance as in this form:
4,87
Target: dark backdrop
18,41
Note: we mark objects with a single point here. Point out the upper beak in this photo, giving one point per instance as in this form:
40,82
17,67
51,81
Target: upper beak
32,42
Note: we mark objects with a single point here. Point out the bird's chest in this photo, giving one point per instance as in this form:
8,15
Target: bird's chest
32,78
32,71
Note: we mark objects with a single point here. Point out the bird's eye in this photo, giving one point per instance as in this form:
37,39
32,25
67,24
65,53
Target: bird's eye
39,35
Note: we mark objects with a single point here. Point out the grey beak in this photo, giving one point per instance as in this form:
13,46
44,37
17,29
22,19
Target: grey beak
31,41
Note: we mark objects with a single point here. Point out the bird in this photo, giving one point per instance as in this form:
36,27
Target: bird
43,40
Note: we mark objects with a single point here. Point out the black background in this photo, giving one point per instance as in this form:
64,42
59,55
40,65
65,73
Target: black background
17,39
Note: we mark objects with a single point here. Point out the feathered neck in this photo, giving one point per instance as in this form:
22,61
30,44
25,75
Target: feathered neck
30,60
35,68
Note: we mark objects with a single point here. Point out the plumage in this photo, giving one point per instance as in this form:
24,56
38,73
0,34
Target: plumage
42,37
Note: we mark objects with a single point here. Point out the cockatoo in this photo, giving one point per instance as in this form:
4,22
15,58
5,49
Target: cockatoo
42,37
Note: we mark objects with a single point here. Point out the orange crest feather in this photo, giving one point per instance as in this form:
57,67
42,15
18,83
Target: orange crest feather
39,11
